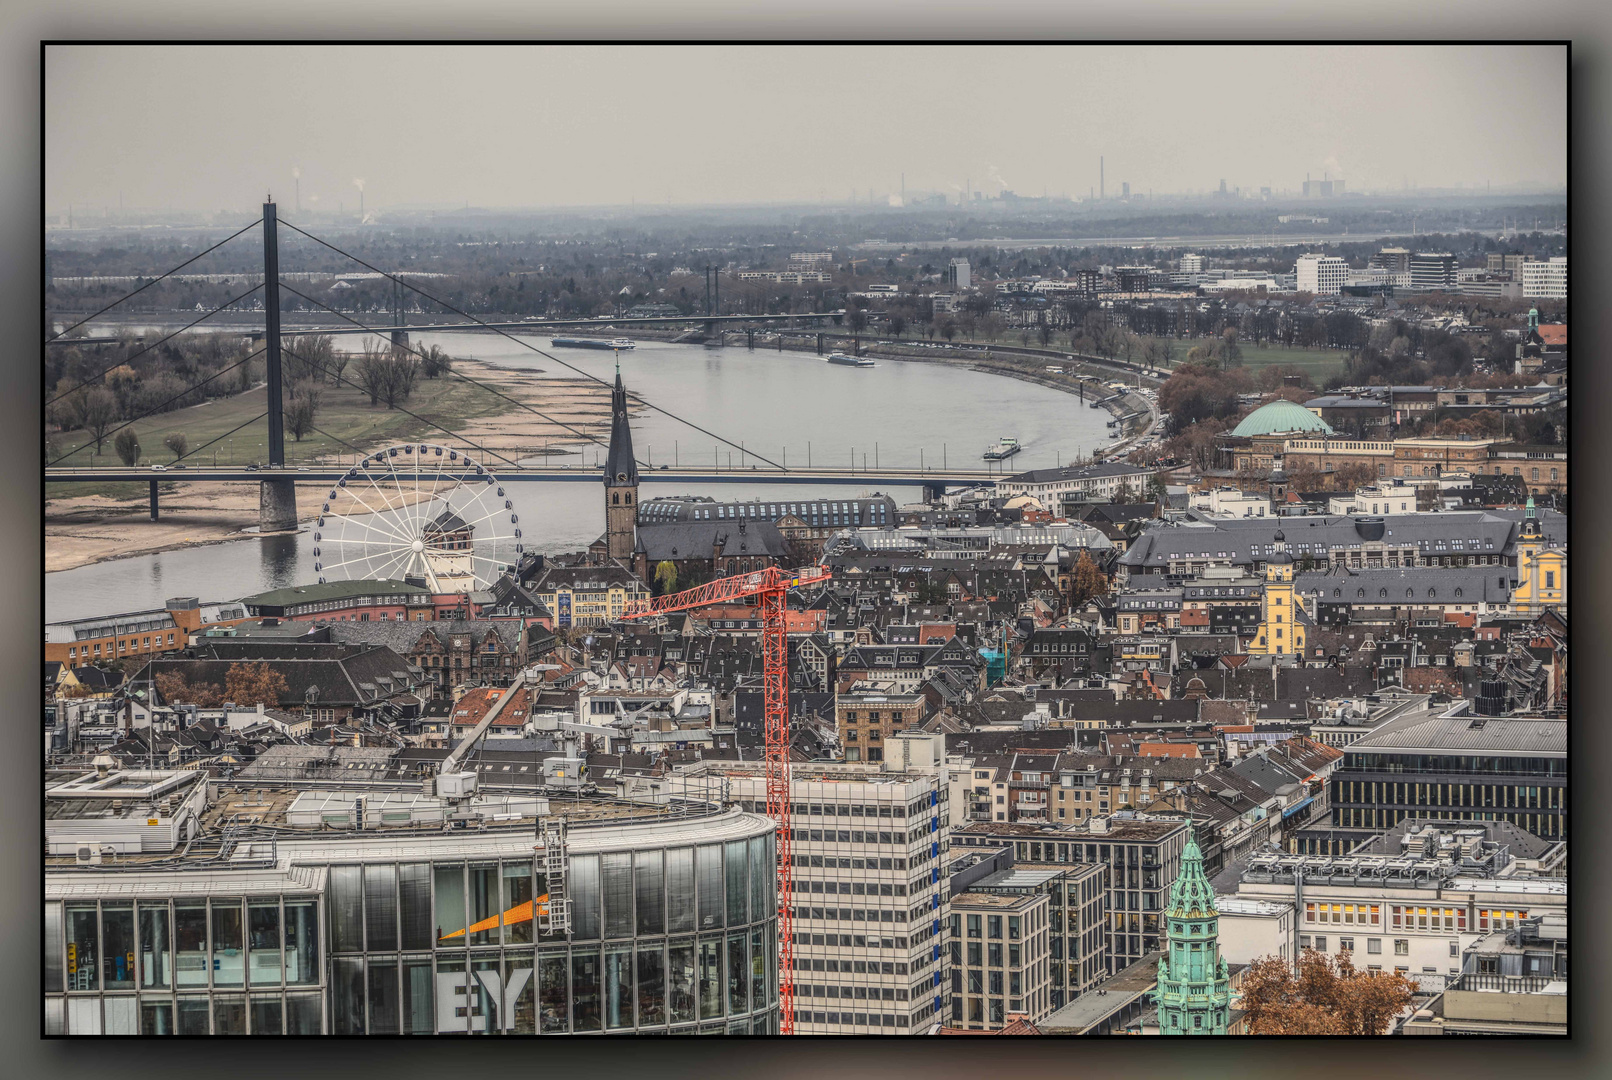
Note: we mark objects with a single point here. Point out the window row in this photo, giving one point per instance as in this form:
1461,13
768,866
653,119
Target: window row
186,1014
183,944
1364,914
384,907
556,990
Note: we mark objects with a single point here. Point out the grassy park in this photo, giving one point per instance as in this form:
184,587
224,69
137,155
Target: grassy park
344,417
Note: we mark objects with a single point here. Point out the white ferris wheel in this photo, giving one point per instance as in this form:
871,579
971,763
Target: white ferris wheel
418,511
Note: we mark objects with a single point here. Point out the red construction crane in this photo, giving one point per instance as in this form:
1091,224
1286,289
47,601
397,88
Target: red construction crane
771,585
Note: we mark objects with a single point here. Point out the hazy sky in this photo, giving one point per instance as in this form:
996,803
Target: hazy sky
209,128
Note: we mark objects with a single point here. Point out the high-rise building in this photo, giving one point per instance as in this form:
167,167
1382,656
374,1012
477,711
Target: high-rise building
1394,260
620,481
1545,280
1194,990
1191,264
869,898
1321,275
1432,271
957,274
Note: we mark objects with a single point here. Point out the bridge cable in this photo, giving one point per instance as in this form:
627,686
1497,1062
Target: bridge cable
226,435
333,438
153,281
528,345
157,408
382,332
401,409
154,344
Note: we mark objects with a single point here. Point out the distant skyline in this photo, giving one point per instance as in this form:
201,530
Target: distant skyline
208,128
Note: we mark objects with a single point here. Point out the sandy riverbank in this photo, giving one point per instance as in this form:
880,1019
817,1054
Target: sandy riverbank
81,530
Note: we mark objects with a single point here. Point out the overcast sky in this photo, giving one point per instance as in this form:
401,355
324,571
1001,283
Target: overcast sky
208,128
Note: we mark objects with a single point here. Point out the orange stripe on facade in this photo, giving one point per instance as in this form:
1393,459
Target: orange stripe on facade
518,914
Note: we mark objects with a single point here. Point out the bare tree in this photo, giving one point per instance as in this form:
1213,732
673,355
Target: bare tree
176,442
373,374
299,415
97,411
403,370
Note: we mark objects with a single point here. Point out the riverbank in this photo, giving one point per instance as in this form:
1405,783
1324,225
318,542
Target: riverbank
81,530
1024,364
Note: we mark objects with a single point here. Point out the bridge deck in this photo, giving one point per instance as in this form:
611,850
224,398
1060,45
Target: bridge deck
323,474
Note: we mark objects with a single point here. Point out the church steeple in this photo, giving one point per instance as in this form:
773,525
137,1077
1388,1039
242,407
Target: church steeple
620,467
620,479
1194,988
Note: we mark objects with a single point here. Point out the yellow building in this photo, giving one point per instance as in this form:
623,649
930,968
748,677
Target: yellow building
588,595
1280,632
1541,570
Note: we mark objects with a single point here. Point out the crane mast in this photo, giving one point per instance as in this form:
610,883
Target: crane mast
772,587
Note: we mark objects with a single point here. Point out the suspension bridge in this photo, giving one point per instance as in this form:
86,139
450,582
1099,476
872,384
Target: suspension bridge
277,480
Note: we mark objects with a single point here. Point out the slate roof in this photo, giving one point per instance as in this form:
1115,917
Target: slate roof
697,539
402,637
1427,584
354,680
620,466
1246,540
585,578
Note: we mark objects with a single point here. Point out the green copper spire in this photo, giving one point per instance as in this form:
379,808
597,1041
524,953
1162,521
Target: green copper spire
1530,506
1194,988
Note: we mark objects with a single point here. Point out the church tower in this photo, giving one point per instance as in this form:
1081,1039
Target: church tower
621,481
1541,569
1281,626
1194,989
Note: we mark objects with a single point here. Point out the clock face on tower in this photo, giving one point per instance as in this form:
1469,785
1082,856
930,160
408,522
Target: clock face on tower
621,478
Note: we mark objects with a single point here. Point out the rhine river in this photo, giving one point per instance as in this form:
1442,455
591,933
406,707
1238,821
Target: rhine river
782,405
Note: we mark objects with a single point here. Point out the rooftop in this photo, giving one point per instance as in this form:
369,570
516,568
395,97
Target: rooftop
1093,1006
1001,901
1460,732
1019,877
334,590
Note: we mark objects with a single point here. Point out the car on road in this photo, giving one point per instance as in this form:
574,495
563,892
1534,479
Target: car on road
302,468
251,468
176,466
159,468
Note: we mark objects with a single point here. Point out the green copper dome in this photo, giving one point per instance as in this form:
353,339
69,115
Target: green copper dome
1281,415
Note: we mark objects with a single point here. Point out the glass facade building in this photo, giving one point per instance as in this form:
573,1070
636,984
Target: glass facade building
673,929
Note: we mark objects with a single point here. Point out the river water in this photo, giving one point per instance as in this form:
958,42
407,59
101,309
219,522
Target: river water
782,405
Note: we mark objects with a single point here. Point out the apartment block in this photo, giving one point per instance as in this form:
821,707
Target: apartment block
1006,968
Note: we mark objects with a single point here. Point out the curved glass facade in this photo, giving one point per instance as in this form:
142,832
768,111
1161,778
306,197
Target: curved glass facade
677,939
